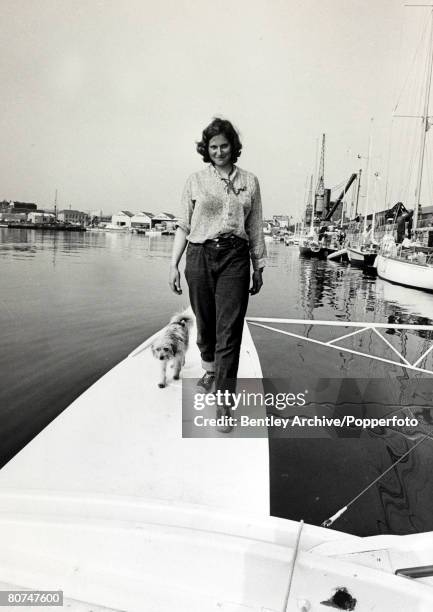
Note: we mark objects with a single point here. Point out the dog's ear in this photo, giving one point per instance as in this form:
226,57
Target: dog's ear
173,348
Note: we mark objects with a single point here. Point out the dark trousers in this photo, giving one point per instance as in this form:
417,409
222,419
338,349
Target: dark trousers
218,277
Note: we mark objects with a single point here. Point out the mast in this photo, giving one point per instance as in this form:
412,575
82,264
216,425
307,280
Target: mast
319,196
373,220
343,201
367,170
310,204
424,130
358,189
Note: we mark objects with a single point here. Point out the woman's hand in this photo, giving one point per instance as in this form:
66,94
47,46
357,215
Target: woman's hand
257,282
174,280
179,246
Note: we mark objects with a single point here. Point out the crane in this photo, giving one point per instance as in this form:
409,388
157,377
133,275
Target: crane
338,201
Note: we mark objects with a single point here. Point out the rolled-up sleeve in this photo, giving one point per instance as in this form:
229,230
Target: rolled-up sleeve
187,208
254,229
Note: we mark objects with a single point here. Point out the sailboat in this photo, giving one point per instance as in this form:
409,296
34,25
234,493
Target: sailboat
309,244
412,266
323,240
317,244
364,254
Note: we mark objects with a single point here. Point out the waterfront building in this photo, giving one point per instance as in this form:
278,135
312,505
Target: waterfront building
400,220
15,208
40,216
425,226
426,217
99,219
75,217
122,219
13,217
142,220
164,220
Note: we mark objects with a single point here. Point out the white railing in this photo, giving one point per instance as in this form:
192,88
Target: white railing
361,327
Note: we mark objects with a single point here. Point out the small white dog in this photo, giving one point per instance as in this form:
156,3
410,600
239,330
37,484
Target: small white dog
172,344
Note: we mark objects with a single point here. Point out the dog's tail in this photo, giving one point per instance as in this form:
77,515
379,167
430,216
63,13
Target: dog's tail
183,318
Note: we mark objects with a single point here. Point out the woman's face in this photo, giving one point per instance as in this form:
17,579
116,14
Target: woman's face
220,151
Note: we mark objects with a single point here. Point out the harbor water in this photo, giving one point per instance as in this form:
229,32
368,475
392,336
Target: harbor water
74,304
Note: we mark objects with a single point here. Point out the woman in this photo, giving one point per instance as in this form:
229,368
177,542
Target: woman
222,224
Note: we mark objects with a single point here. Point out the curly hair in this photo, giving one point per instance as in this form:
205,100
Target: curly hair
215,128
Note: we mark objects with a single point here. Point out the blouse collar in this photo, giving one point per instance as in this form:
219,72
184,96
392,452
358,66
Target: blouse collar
231,176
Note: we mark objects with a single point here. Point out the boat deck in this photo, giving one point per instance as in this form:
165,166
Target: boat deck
123,437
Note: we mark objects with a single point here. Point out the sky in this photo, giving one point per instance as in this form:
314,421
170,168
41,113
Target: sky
103,101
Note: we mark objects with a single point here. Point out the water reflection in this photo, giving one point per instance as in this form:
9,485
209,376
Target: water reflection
70,243
364,297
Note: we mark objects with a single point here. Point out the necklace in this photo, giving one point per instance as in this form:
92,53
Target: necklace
228,184
230,187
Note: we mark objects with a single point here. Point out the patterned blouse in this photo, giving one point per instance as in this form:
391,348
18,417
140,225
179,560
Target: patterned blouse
213,205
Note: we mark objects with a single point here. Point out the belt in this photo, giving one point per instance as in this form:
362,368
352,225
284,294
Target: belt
224,240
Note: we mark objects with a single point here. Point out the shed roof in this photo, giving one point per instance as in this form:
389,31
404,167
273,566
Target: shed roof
125,212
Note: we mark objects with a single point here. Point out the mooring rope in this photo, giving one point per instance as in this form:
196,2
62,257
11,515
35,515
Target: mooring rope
337,515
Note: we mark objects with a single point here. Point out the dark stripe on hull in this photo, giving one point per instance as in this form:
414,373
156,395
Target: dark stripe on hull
367,261
322,253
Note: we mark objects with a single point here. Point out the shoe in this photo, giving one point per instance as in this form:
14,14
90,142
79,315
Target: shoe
207,381
224,413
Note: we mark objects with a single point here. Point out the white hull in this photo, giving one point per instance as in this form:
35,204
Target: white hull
416,302
115,228
355,256
402,272
337,254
